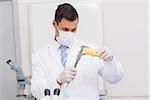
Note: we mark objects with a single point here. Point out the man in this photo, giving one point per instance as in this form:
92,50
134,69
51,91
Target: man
53,64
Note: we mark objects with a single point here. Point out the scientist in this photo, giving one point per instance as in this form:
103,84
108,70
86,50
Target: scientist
53,64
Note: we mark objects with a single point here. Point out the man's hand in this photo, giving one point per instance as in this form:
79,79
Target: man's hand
105,54
67,75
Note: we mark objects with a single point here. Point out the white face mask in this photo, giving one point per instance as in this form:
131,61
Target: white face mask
66,38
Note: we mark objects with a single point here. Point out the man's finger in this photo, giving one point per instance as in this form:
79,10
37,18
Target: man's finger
104,54
73,73
100,53
73,69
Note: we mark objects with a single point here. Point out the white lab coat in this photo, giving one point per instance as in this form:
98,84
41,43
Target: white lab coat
46,66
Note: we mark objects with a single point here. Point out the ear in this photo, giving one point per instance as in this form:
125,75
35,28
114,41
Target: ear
54,23
55,26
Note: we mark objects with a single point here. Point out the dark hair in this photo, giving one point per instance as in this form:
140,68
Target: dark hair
66,11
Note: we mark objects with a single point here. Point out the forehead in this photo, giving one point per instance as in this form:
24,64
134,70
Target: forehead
68,24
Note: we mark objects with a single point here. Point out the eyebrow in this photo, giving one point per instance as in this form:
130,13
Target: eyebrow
68,28
74,28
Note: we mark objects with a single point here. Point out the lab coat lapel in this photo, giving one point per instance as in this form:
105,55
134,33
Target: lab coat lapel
56,56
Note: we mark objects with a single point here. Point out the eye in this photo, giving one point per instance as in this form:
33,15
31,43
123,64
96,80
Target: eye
74,30
65,29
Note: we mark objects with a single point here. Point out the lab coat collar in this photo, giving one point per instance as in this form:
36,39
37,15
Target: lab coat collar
56,44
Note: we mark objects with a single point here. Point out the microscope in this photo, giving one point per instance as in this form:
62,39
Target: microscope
22,81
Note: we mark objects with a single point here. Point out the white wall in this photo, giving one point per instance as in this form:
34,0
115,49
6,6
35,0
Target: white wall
22,36
8,85
125,32
148,46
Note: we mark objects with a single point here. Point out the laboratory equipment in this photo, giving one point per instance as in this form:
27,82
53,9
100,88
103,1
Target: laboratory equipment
22,81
